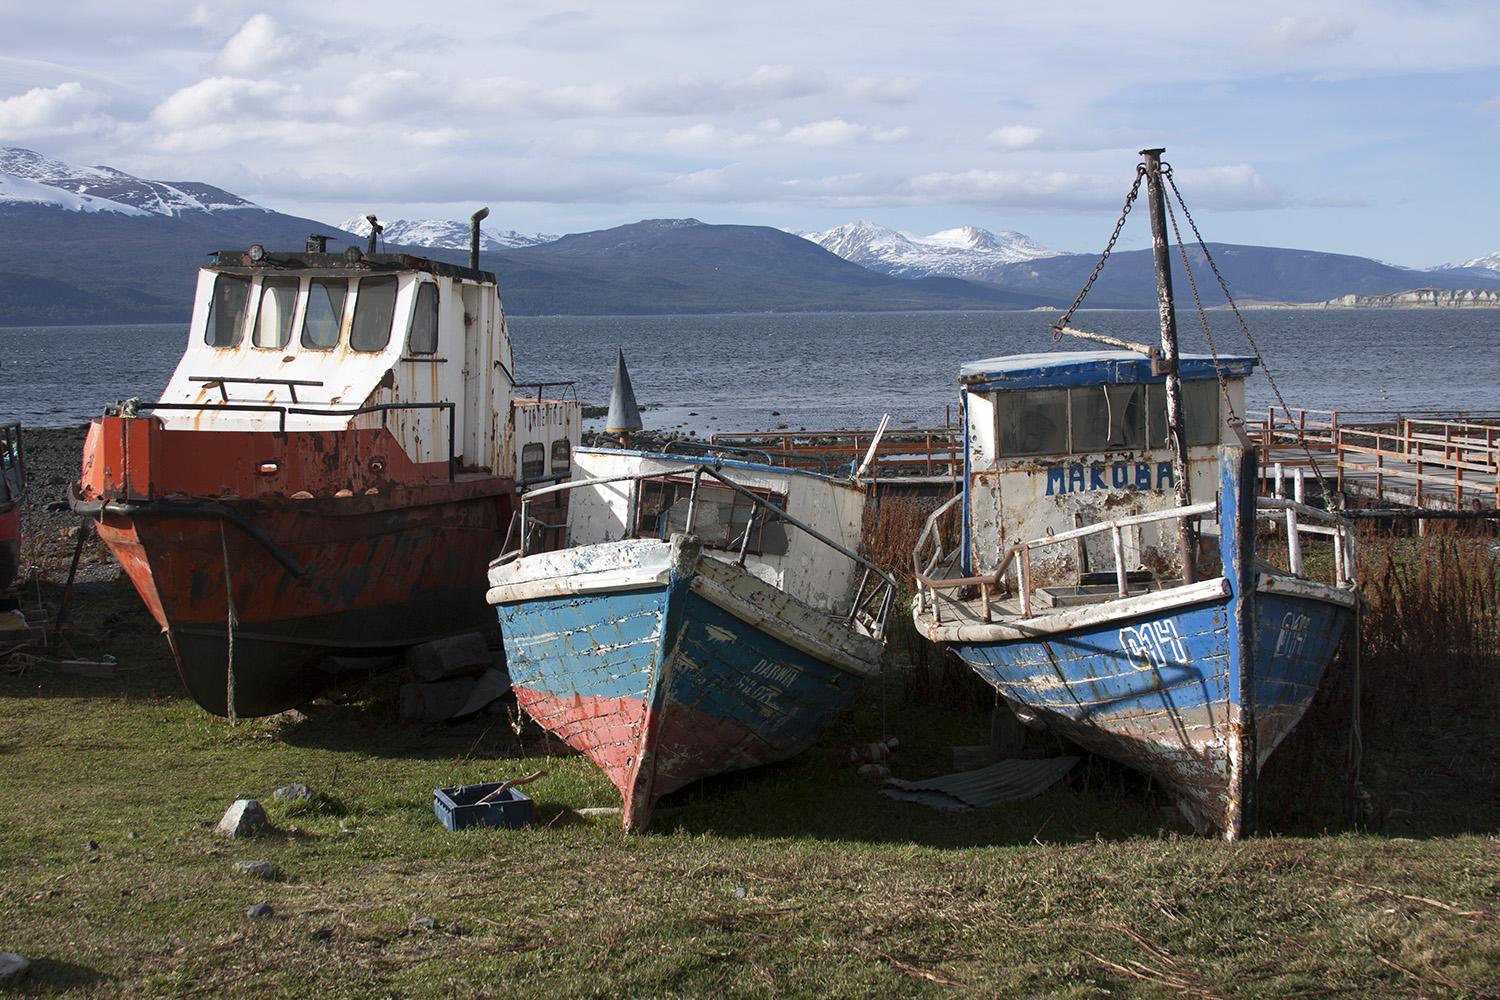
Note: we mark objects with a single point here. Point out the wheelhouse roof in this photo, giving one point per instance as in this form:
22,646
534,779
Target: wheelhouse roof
1061,369
336,264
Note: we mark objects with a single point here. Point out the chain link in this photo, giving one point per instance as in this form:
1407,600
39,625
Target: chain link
1244,327
1208,334
1135,189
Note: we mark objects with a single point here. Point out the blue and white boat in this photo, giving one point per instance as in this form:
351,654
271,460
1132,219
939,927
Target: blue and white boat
1112,575
702,615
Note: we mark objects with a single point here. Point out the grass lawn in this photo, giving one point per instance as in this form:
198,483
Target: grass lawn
793,880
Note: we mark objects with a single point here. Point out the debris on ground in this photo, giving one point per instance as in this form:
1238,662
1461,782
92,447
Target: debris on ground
245,818
266,870
1006,781
13,967
454,656
292,793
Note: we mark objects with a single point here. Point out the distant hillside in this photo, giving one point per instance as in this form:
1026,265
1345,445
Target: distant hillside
81,245
683,265
1254,274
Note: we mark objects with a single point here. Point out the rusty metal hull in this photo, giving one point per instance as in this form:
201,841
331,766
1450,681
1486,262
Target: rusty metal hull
1161,694
665,669
306,580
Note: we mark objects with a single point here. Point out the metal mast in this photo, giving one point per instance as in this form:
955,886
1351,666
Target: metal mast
1176,431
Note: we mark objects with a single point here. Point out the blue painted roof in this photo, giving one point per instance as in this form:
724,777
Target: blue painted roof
1058,369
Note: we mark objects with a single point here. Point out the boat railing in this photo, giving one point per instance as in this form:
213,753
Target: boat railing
282,412
873,595
570,388
929,557
785,459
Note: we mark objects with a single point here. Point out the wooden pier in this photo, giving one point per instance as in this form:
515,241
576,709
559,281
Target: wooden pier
1434,462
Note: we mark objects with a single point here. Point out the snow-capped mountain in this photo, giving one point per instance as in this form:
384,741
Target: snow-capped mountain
107,189
964,252
1490,262
444,234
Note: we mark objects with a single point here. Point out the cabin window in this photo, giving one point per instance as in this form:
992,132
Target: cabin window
273,323
226,311
1107,417
374,310
533,461
721,515
324,318
423,338
1034,423
1200,404
1200,413
562,457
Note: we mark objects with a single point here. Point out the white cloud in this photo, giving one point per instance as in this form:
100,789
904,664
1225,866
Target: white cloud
1303,31
838,132
1014,136
225,100
260,47
885,90
67,109
1230,187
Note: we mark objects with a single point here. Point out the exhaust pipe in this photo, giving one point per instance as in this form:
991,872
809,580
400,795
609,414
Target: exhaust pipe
375,230
474,221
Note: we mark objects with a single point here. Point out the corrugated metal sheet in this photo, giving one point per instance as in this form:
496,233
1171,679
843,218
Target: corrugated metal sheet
1007,781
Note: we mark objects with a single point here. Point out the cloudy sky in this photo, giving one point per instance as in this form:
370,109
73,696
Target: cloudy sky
1360,127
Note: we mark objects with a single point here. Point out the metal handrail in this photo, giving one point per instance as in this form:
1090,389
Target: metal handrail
680,447
283,412
1293,514
539,386
886,589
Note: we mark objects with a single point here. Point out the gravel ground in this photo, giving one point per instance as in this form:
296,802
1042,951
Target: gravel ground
48,527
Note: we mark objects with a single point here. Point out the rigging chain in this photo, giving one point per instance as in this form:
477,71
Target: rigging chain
1234,418
1135,189
1244,327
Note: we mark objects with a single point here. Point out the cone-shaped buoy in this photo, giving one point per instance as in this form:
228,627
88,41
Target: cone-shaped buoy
624,416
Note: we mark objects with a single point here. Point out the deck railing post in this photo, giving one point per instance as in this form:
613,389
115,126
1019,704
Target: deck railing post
1122,581
1023,570
1293,542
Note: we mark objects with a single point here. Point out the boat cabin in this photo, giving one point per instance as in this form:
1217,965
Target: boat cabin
1062,440
644,495
327,342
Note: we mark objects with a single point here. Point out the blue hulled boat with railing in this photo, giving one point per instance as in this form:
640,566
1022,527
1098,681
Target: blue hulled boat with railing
1113,573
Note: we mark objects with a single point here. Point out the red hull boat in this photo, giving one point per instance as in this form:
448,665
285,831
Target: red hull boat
345,507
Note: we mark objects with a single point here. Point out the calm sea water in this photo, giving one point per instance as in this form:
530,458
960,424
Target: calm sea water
709,373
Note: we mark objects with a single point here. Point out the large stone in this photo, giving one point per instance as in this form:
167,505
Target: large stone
434,702
492,684
260,869
260,910
12,967
246,818
454,656
293,792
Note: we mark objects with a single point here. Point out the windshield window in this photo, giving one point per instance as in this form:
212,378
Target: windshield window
423,338
1034,423
226,311
325,313
1200,413
273,324
1109,416
374,309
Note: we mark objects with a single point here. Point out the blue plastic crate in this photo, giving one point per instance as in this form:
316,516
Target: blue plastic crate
456,807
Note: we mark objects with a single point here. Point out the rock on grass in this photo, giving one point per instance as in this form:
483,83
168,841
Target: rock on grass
245,818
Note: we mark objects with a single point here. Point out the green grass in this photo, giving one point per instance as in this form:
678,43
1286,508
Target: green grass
792,880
